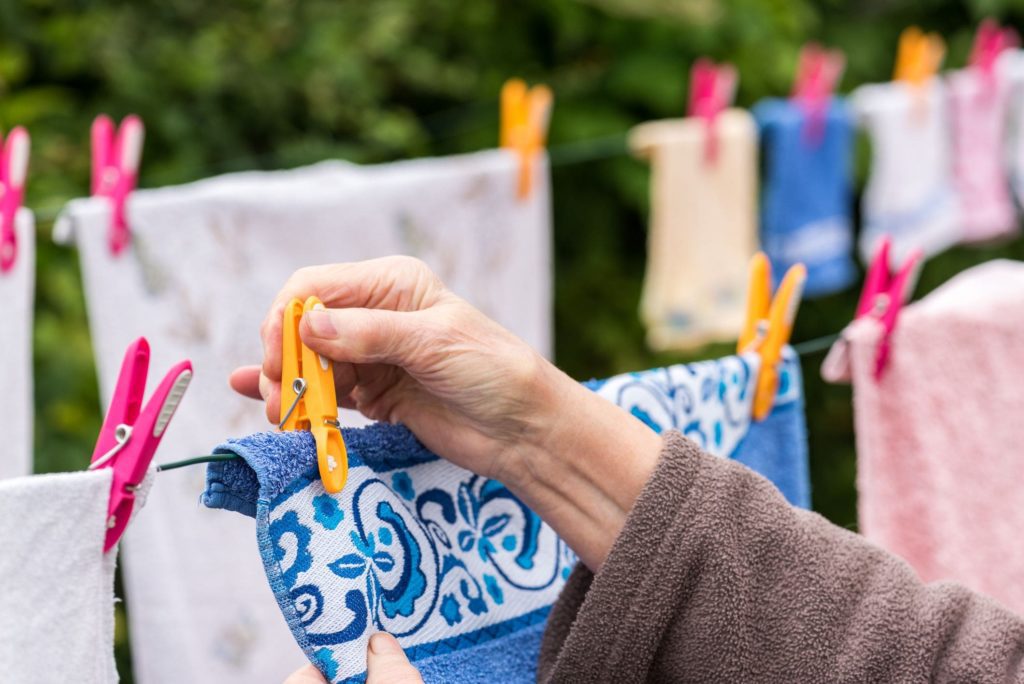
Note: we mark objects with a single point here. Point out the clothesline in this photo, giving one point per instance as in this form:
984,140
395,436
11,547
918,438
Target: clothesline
805,348
565,154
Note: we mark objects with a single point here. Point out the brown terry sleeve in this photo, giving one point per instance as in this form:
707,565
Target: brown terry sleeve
716,578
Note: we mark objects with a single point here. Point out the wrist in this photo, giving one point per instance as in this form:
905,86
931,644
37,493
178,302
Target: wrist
585,466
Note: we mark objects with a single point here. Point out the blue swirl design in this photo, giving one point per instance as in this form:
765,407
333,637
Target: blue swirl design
289,524
708,401
372,561
309,605
452,558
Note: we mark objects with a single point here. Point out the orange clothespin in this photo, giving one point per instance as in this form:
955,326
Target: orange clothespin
525,115
768,325
308,399
919,56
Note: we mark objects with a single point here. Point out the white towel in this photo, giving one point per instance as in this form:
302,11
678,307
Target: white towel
57,593
17,288
911,193
205,262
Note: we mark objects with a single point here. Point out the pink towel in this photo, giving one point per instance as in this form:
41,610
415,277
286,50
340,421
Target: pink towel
979,105
940,463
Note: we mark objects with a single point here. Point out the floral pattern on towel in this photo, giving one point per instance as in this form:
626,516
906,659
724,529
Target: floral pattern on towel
708,401
433,554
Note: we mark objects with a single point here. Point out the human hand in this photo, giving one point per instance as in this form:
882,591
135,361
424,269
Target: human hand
386,663
406,349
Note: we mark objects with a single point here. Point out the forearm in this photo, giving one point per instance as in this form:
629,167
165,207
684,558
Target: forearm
714,577
587,466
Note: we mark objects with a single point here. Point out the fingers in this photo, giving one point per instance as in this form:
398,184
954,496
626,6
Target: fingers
306,675
363,336
246,381
394,283
386,662
250,382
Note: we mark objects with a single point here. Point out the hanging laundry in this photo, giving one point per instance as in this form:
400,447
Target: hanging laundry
57,594
979,109
1010,67
938,436
711,402
911,192
204,262
807,196
449,562
703,228
17,290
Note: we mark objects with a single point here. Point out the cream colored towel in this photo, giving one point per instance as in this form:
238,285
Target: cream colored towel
703,229
17,287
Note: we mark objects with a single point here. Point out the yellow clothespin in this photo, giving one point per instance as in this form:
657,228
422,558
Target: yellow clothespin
308,399
768,325
525,114
918,56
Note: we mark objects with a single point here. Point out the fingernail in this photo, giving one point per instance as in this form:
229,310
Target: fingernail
321,323
383,643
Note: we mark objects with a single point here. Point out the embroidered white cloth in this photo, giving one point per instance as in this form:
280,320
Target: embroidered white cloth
17,287
205,262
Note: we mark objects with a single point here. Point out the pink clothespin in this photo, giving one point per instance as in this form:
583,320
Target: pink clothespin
884,295
13,169
130,434
989,42
115,169
817,75
712,89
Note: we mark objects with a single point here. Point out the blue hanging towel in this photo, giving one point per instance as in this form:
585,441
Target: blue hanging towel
449,562
807,196
711,403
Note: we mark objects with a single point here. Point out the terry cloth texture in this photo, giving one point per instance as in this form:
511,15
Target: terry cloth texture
193,577
714,578
911,192
978,104
711,403
57,593
703,228
939,462
449,562
807,200
17,288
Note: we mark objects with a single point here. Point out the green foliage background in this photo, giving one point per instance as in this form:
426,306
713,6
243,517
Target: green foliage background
244,84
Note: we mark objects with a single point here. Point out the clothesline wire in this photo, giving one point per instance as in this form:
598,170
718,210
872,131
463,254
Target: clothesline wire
564,154
805,348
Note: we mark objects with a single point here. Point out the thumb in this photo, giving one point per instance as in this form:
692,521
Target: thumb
362,335
386,662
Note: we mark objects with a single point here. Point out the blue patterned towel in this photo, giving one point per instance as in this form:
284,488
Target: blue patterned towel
449,562
807,207
710,402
